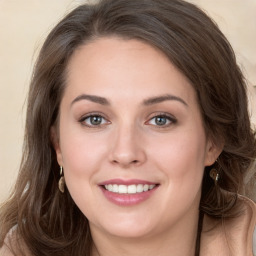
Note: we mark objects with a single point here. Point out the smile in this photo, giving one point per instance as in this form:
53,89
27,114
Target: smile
128,192
129,189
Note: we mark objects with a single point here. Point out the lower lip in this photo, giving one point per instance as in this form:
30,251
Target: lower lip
128,199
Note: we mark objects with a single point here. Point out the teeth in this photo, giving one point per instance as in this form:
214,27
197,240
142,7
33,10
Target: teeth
122,189
145,187
139,188
115,188
151,186
131,189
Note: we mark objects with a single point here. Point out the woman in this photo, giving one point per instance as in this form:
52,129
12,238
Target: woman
137,139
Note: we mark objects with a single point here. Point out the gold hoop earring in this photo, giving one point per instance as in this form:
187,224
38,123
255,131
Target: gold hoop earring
61,181
214,174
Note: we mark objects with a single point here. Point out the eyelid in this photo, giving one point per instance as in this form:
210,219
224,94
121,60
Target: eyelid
91,114
168,116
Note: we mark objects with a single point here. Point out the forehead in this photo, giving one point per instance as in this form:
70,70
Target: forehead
110,65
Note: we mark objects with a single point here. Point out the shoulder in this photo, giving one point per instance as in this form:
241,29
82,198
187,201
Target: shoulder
11,247
252,222
240,230
254,242
249,218
234,235
5,251
248,212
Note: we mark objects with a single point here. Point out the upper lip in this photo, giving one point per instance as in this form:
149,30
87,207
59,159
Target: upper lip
126,182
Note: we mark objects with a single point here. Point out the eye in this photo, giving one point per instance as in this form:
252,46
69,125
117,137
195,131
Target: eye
162,120
93,120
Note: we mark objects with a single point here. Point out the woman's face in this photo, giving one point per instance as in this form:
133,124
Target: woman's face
131,139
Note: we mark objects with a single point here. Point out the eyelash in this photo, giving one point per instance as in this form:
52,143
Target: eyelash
168,118
90,116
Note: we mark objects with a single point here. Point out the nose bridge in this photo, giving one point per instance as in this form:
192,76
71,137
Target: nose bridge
127,147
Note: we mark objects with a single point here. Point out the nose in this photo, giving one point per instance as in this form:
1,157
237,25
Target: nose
127,148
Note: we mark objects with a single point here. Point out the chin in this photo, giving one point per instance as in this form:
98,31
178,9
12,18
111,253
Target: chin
128,227
129,232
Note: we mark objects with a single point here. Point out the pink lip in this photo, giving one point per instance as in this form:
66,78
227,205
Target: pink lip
127,199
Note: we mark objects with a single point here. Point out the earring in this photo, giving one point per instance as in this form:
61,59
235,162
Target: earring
214,174
61,181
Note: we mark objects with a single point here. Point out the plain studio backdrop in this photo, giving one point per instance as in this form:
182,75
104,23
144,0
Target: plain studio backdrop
23,28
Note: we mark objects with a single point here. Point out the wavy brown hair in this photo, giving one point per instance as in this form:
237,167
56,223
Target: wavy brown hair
48,222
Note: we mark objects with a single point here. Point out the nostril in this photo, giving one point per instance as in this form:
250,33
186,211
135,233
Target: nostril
126,163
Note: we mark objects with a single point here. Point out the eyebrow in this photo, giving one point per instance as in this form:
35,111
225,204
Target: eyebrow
146,102
161,98
92,98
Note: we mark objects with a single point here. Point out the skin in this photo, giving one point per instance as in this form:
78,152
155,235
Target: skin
130,144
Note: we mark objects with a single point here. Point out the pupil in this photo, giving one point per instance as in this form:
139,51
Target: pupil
95,120
160,120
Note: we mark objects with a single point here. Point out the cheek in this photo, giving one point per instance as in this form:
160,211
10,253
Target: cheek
80,149
82,160
82,156
181,157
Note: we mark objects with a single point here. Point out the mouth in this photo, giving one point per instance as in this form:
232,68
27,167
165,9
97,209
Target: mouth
129,189
128,192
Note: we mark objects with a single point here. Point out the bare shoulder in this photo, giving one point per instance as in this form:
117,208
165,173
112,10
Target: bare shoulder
5,251
249,208
11,247
231,235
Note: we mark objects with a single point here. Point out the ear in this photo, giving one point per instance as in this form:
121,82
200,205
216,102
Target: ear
212,152
56,144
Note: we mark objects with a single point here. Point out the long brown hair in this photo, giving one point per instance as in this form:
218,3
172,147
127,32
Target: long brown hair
48,222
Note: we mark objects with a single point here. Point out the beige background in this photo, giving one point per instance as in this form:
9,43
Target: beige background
23,27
